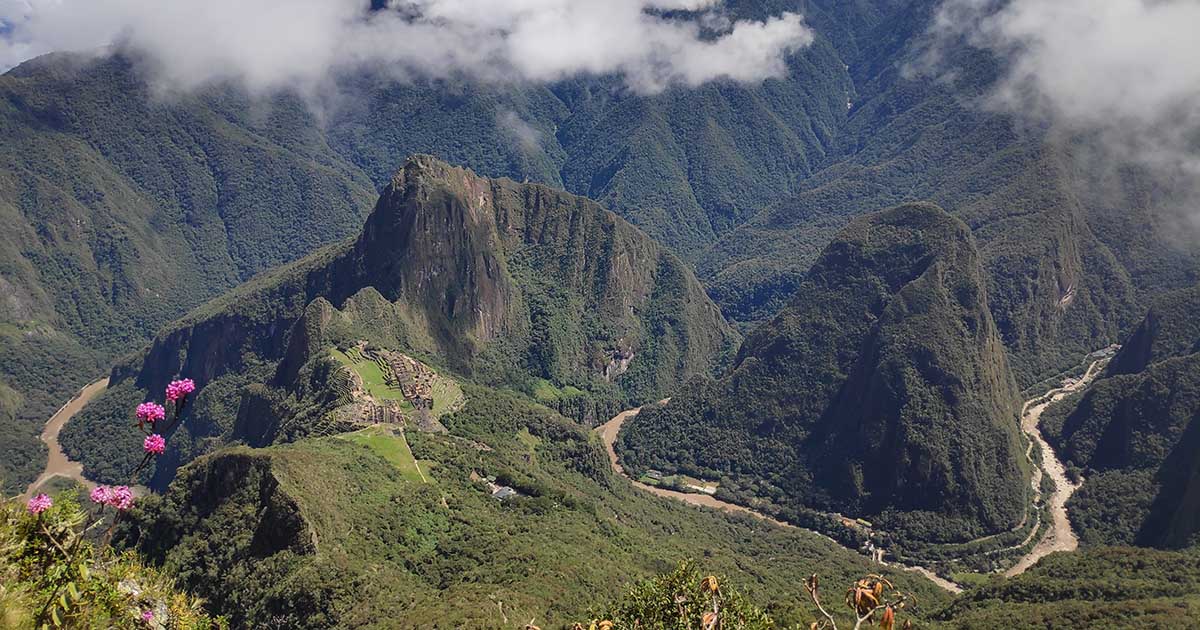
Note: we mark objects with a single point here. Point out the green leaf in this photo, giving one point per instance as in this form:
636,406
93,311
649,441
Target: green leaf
54,617
73,591
83,571
62,601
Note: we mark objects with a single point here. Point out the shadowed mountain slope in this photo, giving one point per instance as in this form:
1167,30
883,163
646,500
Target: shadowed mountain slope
882,390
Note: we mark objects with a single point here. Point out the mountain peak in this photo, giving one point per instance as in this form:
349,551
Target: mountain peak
882,390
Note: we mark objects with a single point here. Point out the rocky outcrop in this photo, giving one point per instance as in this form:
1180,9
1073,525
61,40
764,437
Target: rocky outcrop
214,486
498,281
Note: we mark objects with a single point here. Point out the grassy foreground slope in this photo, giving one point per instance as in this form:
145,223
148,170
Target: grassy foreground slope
328,533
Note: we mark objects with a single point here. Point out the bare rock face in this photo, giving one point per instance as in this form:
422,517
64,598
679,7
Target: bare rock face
432,243
477,260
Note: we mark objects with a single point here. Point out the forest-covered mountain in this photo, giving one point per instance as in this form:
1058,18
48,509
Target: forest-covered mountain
882,391
173,198
399,371
212,187
1135,435
506,284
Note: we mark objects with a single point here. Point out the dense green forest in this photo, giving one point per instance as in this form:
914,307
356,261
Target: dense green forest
881,391
1117,587
122,211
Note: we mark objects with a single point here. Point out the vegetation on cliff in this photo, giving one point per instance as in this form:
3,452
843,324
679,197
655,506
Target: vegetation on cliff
51,574
325,532
1134,435
881,391
1116,587
507,284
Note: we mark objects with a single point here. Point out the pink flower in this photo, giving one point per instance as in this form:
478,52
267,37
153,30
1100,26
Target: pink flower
120,497
39,504
154,443
150,412
178,390
148,615
100,494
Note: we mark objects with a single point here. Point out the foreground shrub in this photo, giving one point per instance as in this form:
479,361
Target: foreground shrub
54,574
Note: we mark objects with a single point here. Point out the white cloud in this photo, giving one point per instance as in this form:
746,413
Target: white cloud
1128,70
272,44
528,139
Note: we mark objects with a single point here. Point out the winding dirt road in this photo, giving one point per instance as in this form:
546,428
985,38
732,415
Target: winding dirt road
608,434
58,465
1060,537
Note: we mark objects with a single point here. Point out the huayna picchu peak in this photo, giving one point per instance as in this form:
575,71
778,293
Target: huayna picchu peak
509,284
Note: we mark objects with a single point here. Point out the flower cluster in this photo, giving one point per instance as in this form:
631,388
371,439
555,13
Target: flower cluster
178,390
150,412
155,443
152,421
119,497
39,504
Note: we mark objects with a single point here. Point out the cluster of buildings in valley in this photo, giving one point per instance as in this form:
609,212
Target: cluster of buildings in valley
679,482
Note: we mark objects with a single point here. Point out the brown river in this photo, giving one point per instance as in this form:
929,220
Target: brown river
58,465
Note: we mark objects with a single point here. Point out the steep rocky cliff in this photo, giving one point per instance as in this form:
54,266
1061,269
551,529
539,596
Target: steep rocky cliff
881,390
504,283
